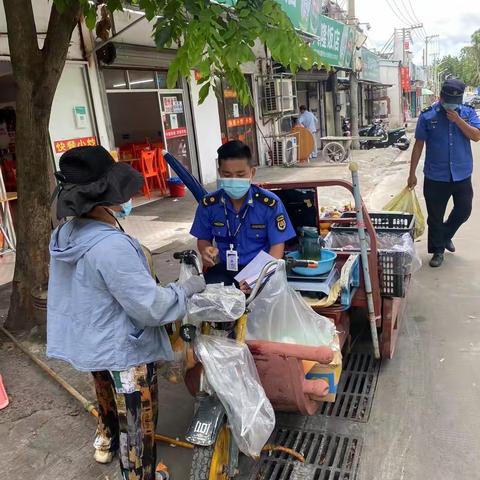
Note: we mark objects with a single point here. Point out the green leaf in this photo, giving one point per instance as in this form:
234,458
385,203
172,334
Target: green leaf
162,34
172,75
91,17
114,5
203,93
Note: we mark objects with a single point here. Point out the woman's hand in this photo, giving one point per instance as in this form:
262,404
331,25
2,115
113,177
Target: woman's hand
245,287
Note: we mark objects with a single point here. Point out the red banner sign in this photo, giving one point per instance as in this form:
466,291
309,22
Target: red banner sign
64,145
176,132
239,122
405,76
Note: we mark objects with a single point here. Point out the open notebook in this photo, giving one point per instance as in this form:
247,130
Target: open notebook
252,271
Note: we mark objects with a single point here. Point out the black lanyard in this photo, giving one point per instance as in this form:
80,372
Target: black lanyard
234,236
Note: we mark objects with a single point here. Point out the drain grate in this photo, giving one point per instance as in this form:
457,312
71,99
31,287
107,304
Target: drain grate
356,388
328,456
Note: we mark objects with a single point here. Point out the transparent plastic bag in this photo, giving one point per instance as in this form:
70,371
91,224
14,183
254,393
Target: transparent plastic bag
174,371
231,373
217,303
407,202
386,242
279,314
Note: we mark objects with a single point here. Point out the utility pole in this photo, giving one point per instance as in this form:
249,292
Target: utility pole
427,41
353,82
405,59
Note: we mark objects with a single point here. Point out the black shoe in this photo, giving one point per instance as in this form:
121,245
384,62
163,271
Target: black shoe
436,260
450,246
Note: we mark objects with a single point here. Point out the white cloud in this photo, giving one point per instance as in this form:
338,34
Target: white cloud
454,22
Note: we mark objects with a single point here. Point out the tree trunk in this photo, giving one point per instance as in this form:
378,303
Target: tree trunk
37,73
33,212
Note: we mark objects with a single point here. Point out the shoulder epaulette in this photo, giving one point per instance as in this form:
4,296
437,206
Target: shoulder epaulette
427,109
265,199
211,199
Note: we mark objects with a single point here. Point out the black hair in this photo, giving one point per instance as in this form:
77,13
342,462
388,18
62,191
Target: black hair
303,107
234,150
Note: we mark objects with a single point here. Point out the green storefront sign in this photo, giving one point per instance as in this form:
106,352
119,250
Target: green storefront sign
370,66
335,40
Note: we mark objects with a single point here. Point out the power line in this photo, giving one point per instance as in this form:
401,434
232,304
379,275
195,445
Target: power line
397,12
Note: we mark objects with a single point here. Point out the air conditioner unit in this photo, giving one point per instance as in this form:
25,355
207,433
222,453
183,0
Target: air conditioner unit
278,95
285,151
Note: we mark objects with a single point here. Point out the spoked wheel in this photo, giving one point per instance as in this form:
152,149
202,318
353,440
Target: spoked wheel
334,152
211,463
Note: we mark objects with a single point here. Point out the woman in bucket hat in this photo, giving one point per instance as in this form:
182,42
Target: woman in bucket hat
106,315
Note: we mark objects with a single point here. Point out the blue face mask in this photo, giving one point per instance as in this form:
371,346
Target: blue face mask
126,209
450,106
235,188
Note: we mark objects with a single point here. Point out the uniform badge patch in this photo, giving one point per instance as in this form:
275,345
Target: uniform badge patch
281,223
218,224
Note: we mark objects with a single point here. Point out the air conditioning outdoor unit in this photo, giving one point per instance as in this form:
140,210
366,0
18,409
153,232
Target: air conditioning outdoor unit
278,95
285,151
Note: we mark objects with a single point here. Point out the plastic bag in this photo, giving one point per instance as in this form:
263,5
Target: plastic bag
386,242
406,201
231,372
174,371
217,303
279,314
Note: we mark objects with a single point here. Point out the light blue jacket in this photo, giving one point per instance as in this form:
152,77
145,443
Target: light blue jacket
105,311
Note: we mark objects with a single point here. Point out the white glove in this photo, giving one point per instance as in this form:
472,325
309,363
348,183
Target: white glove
192,285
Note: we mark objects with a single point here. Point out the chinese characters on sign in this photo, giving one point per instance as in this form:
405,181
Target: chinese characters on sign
238,122
405,77
62,146
176,132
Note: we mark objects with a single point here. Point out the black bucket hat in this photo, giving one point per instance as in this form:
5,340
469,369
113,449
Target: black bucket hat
453,90
89,177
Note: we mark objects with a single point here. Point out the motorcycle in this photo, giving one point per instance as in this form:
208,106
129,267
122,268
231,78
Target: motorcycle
215,452
388,138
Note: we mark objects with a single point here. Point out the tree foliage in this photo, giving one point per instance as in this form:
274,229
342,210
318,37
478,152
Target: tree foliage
215,38
466,65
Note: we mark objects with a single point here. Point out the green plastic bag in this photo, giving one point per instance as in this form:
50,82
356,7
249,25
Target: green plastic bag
407,201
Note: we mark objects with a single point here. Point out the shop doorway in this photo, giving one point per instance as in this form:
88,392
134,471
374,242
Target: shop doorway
144,113
237,121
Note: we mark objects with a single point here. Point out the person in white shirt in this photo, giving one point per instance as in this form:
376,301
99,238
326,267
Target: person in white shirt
309,120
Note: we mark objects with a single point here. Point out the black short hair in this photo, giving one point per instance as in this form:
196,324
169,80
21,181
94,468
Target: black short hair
234,150
302,107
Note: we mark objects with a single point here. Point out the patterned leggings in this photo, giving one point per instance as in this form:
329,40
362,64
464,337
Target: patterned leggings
128,402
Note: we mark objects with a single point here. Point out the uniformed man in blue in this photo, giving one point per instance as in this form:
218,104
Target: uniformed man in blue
242,219
447,128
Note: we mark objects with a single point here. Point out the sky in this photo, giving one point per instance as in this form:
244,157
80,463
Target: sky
454,22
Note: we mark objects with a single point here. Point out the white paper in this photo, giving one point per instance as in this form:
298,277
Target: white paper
252,271
173,121
236,110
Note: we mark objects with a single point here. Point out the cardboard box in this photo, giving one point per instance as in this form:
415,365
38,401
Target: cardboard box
330,373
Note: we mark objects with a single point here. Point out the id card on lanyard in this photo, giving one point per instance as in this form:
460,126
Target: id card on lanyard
232,253
232,259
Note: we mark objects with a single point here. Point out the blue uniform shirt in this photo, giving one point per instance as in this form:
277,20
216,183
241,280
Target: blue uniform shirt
449,152
262,219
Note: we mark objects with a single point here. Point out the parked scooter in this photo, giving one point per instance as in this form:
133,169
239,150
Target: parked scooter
388,138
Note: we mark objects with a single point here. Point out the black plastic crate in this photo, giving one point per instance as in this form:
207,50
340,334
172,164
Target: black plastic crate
382,222
394,268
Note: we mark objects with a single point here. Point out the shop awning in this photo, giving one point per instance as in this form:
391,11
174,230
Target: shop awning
426,91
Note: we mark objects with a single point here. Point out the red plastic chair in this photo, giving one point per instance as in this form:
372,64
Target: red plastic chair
149,170
162,169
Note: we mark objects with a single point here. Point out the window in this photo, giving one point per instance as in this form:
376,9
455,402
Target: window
140,79
115,79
